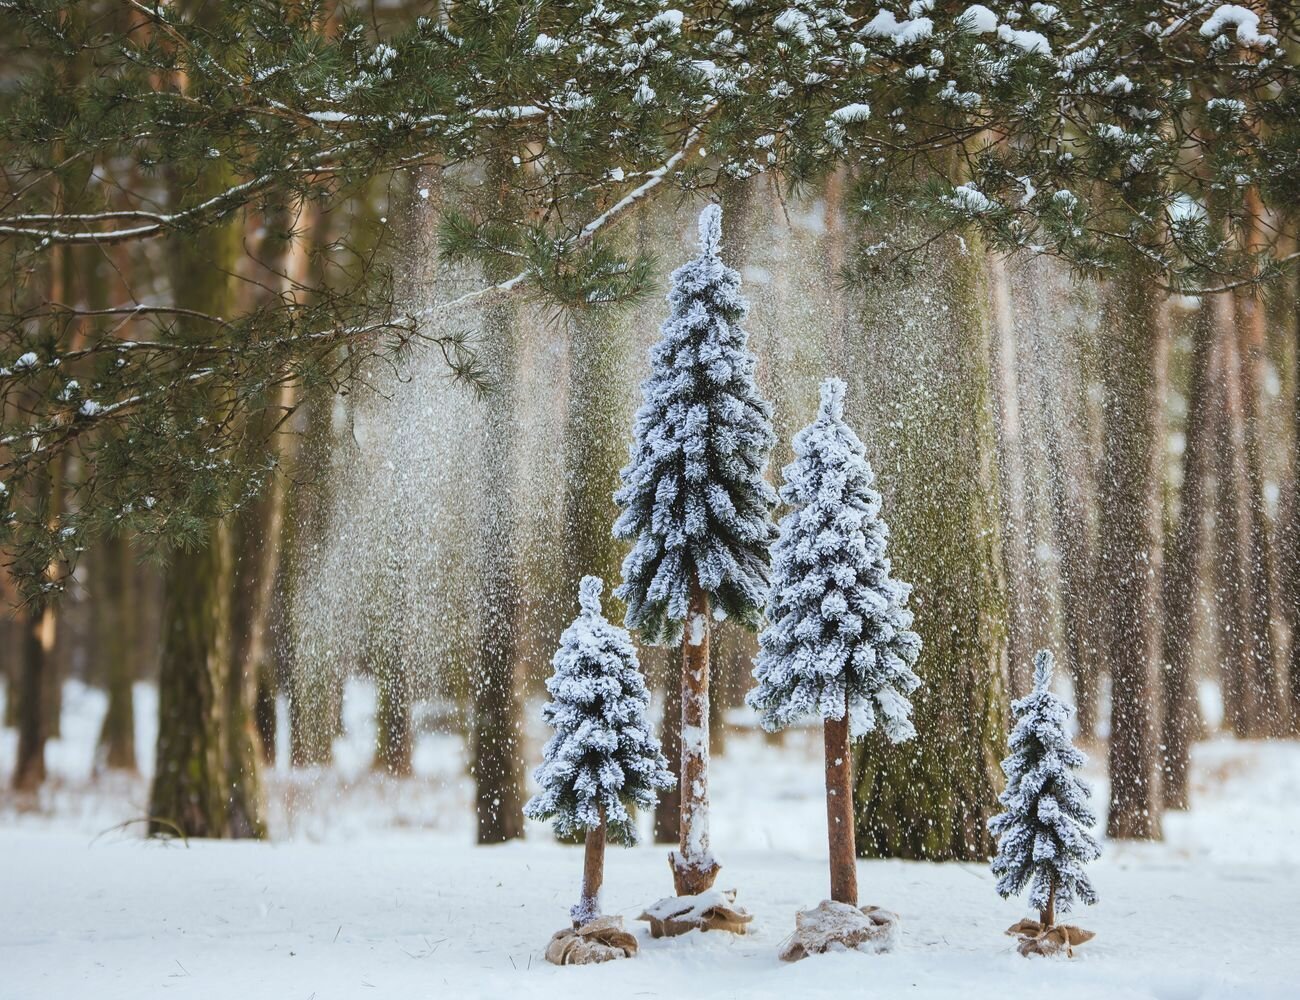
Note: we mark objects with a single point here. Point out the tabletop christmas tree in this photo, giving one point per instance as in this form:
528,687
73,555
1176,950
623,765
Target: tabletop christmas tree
838,645
1043,834
696,507
601,765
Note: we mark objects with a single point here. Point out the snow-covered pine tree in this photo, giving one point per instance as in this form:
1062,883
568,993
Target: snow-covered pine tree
1043,834
838,643
604,760
696,507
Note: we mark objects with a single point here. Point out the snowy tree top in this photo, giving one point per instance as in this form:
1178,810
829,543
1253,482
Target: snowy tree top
839,636
695,503
1044,832
604,760
710,227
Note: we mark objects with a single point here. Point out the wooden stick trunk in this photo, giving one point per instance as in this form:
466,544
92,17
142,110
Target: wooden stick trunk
693,866
593,875
839,811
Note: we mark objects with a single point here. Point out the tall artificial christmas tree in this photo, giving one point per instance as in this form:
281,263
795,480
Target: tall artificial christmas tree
1043,834
838,643
696,507
604,760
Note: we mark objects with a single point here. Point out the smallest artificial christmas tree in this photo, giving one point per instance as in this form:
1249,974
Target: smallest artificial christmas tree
602,763
1043,835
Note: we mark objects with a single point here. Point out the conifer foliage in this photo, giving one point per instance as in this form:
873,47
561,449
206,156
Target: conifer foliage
839,636
604,760
839,643
696,507
1043,834
694,501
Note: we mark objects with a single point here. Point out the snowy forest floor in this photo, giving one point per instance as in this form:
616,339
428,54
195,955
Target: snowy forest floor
372,888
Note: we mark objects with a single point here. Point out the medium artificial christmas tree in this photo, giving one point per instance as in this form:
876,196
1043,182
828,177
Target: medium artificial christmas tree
838,643
1043,835
603,761
697,508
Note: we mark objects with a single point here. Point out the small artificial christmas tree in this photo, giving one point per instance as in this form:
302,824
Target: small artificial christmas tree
696,507
1043,835
604,760
838,645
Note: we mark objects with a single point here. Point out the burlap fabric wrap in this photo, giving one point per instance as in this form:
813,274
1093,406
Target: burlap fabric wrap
1035,939
832,926
599,940
709,911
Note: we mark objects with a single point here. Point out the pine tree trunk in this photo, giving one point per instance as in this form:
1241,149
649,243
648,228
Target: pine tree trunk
392,720
1130,533
113,601
37,649
593,874
839,810
1292,582
693,866
1232,533
1250,323
1181,721
933,445
1024,583
189,795
1047,916
668,810
497,763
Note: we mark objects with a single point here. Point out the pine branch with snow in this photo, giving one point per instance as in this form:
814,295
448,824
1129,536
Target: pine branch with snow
694,500
839,632
1044,832
604,760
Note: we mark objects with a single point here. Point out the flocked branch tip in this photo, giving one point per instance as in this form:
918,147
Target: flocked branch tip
711,230
832,397
589,591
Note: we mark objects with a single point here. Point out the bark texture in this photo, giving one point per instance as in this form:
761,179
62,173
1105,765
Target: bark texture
593,875
839,811
693,866
1129,557
497,761
112,574
1181,722
933,446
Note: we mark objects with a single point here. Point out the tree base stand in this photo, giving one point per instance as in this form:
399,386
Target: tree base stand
832,926
1036,939
600,940
692,877
709,911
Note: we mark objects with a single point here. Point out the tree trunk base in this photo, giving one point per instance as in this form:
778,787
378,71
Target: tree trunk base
599,940
835,926
1037,938
692,878
709,911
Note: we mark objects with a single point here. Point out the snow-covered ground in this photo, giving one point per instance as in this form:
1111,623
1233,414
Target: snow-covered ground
373,888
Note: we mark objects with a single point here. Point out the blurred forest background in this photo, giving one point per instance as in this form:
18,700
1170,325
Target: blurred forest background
1091,465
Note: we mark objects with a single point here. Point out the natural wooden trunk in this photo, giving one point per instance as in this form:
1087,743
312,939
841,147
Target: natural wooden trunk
1265,674
112,574
1181,720
496,753
393,740
1025,586
668,810
693,866
839,810
927,406
1129,558
37,651
189,794
593,874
